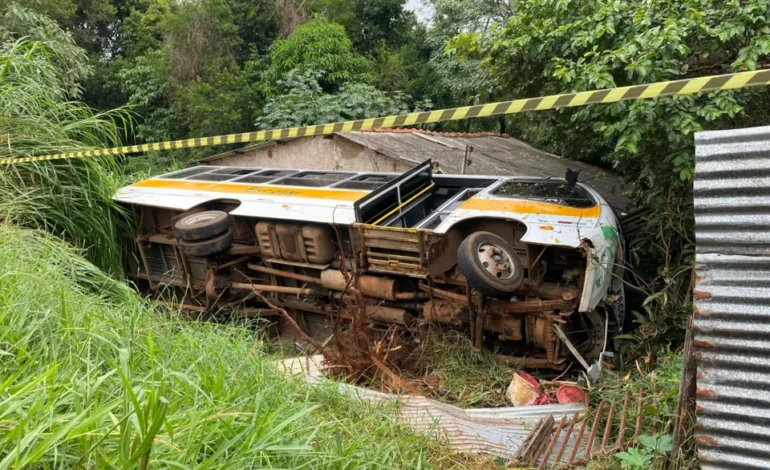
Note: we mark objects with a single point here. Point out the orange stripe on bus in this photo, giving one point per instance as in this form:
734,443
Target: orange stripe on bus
257,189
529,207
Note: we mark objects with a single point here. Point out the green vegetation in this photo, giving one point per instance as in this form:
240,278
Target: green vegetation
303,102
553,47
40,72
93,376
449,368
659,387
203,67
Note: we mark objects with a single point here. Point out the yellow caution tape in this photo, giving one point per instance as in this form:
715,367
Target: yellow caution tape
609,95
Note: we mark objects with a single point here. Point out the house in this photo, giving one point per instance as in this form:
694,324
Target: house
397,150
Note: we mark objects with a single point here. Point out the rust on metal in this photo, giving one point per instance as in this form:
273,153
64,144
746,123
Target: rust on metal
623,417
282,273
499,306
701,294
238,249
704,393
371,286
537,453
594,427
565,441
533,441
701,311
578,439
529,362
608,427
549,449
707,440
703,344
442,311
572,452
271,288
389,314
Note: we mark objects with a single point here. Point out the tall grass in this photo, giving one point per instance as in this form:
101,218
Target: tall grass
39,114
91,376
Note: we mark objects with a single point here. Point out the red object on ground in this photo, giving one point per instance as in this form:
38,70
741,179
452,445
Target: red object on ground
544,399
568,394
531,380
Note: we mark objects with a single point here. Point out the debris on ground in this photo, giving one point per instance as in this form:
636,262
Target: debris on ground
495,431
524,389
557,429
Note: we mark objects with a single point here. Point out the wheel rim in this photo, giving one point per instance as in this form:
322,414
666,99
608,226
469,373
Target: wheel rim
495,260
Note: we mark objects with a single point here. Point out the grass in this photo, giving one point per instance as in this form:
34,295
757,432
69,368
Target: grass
93,377
38,116
452,370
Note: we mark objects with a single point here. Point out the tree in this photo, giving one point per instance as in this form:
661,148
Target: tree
370,23
555,47
320,46
453,17
303,102
220,104
187,80
148,89
462,78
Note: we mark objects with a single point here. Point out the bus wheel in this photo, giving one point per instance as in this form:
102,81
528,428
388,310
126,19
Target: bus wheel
490,265
201,225
209,246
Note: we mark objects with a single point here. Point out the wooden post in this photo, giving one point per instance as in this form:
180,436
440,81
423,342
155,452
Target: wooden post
685,408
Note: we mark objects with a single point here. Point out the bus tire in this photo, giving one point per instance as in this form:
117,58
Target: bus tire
490,265
201,225
207,247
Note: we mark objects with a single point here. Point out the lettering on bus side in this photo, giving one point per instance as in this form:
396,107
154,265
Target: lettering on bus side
274,191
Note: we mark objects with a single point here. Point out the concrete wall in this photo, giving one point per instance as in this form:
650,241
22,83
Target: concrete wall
316,153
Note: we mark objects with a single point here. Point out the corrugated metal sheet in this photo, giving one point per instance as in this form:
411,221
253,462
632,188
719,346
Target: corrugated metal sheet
732,298
494,431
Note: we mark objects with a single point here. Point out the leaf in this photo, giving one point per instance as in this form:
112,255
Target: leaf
633,459
656,443
665,444
647,441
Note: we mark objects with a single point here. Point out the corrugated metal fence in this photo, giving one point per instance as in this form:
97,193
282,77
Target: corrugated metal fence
732,298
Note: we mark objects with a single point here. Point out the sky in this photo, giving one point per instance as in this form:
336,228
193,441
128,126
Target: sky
423,10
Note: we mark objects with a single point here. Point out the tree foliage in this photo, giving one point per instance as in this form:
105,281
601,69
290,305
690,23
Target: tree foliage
454,17
370,23
555,47
303,102
23,29
320,46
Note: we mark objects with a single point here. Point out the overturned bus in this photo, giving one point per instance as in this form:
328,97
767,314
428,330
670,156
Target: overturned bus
528,267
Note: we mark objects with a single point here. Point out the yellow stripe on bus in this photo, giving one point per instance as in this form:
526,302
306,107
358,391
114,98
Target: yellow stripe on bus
244,188
529,207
